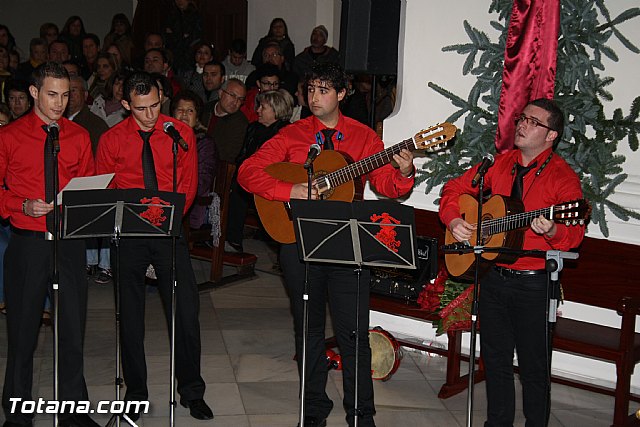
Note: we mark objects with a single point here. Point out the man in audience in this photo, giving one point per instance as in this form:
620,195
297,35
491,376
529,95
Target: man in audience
37,55
268,78
59,51
317,52
236,62
157,61
90,50
271,54
26,201
228,125
119,152
213,74
151,41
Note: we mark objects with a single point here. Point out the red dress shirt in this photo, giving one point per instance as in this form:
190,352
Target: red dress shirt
22,164
292,143
557,183
120,151
249,106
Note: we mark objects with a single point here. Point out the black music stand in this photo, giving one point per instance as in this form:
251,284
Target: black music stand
368,233
116,214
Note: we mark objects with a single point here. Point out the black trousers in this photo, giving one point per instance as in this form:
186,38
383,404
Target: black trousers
239,203
338,286
512,315
28,266
135,255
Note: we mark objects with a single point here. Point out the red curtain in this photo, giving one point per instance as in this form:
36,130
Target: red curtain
529,62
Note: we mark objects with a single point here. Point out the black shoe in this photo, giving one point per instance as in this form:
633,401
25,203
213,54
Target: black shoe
91,270
198,409
78,420
10,424
314,422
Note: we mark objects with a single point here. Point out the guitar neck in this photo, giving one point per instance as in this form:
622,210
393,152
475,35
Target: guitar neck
513,222
366,165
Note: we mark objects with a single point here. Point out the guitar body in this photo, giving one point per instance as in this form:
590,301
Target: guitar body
275,215
463,265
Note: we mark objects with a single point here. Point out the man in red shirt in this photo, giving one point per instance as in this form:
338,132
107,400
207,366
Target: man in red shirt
29,255
326,88
120,152
513,298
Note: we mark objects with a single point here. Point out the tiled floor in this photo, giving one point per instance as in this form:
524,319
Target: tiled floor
247,349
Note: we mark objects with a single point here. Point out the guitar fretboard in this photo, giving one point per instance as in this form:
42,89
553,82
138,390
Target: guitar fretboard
513,222
366,165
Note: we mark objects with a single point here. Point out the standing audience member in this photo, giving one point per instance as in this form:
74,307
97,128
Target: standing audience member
228,125
213,76
37,55
317,52
27,204
182,31
236,62
278,33
109,108
16,92
274,112
186,106
72,33
141,136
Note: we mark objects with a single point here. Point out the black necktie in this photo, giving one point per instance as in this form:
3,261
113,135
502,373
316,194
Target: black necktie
49,191
518,182
148,166
328,142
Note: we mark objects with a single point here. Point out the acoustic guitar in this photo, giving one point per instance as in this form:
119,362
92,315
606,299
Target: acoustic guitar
333,176
503,226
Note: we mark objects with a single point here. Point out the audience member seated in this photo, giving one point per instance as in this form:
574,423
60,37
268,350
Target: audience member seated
14,61
165,93
151,41
278,33
123,62
301,110
120,35
182,30
192,79
228,125
274,112
6,38
157,61
37,55
236,62
212,78
109,108
90,50
72,34
273,55
16,92
267,78
72,68
358,104
317,52
59,51
5,115
78,111
186,107
105,67
49,32
5,73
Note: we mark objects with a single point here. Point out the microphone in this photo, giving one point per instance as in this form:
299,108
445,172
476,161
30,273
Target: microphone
314,151
487,162
170,129
53,129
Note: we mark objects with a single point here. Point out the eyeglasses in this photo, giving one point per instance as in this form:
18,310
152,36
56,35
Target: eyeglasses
270,84
234,96
273,55
530,121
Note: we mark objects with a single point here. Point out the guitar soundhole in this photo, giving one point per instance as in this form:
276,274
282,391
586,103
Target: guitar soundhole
325,191
486,237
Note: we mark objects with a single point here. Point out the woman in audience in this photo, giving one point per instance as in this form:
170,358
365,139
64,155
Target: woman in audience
109,108
49,32
186,106
120,35
72,33
274,110
6,38
16,92
123,62
278,32
193,78
105,67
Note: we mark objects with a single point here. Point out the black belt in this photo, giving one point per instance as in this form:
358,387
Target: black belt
43,235
507,272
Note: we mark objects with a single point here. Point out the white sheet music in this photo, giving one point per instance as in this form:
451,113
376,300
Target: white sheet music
97,182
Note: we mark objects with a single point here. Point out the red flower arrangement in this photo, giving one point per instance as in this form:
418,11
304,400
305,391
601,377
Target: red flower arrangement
450,300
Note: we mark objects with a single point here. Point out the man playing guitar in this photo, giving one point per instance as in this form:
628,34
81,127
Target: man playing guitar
513,298
326,87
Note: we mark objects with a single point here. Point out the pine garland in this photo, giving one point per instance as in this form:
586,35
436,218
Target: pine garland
590,138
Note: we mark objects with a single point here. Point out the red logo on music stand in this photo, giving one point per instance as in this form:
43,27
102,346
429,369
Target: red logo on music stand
387,234
154,214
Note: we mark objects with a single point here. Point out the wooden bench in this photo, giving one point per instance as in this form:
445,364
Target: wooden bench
602,277
243,262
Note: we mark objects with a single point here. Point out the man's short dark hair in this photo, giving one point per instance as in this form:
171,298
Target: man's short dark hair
219,64
48,69
267,70
153,33
239,46
93,37
330,73
187,95
139,83
163,83
59,41
556,117
36,42
163,52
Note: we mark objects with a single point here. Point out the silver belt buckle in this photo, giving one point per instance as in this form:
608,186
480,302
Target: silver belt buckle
48,236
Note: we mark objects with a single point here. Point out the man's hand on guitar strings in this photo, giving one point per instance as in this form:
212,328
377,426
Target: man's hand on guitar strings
461,229
300,191
542,225
404,159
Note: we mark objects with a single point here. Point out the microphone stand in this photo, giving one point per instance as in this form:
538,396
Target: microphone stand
305,313
55,282
172,357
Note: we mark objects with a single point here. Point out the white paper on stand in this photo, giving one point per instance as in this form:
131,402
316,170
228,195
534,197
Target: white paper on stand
97,182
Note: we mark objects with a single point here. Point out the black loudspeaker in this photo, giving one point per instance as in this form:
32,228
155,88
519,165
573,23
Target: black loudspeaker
369,36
